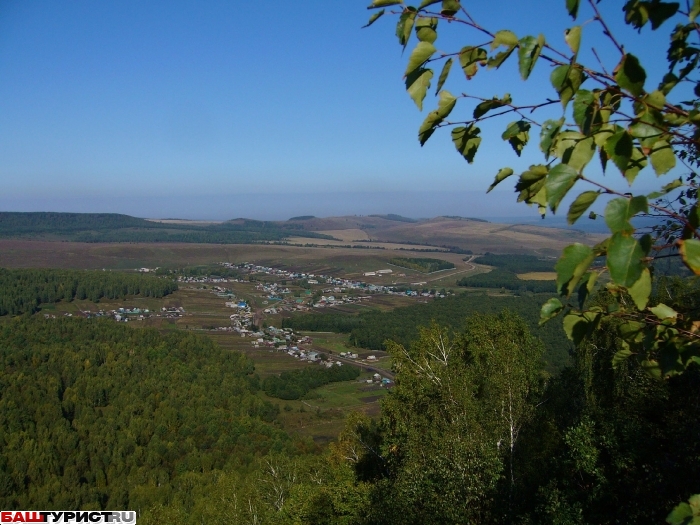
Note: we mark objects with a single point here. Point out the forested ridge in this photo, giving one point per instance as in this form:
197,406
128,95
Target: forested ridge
372,329
23,290
98,415
112,227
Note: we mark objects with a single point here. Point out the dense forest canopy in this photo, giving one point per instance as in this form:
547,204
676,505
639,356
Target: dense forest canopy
97,415
24,290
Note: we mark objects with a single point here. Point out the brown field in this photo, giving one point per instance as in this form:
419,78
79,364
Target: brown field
349,235
478,236
538,276
380,245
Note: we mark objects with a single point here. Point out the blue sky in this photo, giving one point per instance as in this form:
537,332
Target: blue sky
215,110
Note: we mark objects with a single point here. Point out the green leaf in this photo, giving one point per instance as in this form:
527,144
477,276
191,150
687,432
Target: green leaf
619,148
496,61
467,141
502,174
383,3
621,356
567,80
560,180
624,259
663,311
535,174
470,58
550,309
628,158
641,290
571,266
666,189
446,103
630,75
578,325
609,102
580,205
528,53
531,185
426,3
504,38
586,112
586,287
638,13
417,85
572,8
619,211
668,83
573,38
421,53
549,132
404,26
694,11
690,252
443,75
574,149
450,7
487,105
663,159
682,514
373,18
426,29
517,134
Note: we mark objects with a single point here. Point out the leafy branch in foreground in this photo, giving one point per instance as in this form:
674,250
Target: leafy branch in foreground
609,111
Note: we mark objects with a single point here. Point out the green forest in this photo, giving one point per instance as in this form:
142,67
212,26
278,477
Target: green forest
97,415
372,329
504,279
517,263
24,290
295,384
422,264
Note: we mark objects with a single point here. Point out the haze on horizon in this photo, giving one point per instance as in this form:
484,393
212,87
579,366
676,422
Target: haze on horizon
219,110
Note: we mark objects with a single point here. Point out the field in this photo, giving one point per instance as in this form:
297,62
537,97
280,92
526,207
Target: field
321,415
349,235
538,276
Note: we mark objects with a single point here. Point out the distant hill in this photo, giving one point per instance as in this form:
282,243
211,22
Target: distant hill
457,234
394,217
114,227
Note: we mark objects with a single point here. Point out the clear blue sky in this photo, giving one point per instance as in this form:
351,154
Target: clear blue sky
264,109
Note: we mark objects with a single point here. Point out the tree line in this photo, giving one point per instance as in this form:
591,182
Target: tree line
113,227
372,329
295,384
517,263
422,264
24,290
500,278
